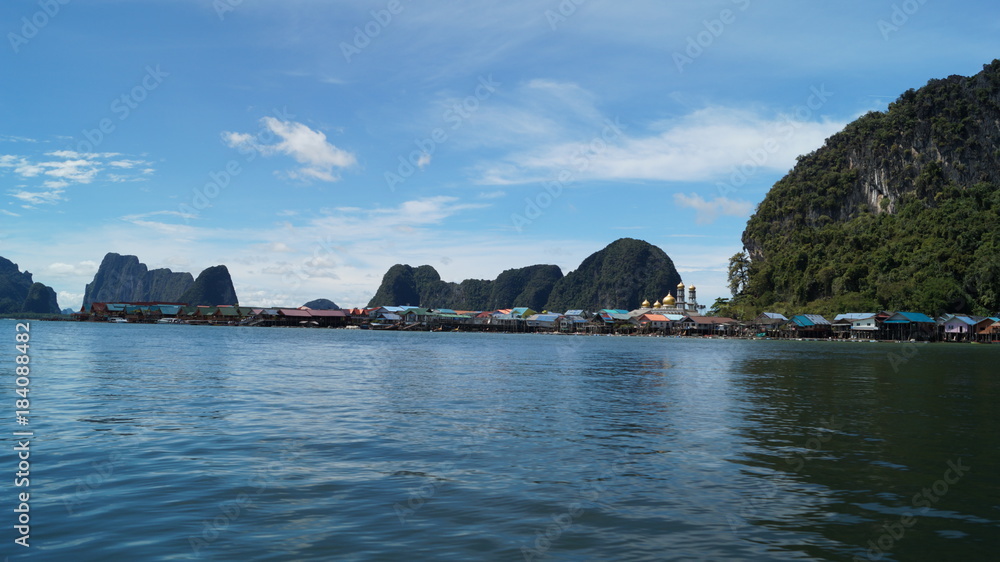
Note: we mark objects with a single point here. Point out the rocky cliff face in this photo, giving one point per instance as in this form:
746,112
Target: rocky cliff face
213,287
125,279
40,299
19,293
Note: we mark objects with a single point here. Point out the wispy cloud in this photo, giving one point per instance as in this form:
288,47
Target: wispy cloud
705,145
31,198
707,211
59,169
320,160
143,216
83,268
14,138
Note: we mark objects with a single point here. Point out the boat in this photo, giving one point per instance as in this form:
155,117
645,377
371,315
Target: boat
116,320
169,321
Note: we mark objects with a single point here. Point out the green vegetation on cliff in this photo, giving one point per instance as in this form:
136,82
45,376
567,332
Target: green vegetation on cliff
621,275
422,286
899,211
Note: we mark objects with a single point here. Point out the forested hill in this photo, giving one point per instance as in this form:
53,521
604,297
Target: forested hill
619,276
900,210
422,286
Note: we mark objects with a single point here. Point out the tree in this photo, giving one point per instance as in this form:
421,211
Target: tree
719,307
739,273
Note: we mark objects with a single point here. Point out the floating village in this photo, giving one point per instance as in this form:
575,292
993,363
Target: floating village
671,316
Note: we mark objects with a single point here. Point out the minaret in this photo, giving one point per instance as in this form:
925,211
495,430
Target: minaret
692,301
680,296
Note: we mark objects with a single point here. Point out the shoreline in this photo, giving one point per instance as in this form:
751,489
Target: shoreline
532,332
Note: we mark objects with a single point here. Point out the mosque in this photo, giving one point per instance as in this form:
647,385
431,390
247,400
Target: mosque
673,306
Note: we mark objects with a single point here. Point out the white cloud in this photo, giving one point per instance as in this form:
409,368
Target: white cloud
319,158
70,300
79,171
27,170
276,247
83,268
127,163
557,127
707,211
39,197
8,213
72,154
13,138
141,216
62,169
9,160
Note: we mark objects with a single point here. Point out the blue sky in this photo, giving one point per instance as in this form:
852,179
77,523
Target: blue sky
309,145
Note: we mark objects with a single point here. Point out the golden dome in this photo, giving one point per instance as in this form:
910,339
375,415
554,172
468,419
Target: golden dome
680,285
645,303
690,287
669,300
657,304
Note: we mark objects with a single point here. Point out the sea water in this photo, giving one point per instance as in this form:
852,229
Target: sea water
175,442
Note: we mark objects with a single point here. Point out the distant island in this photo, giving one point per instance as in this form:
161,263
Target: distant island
621,275
126,279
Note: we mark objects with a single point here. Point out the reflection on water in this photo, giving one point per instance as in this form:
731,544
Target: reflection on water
176,442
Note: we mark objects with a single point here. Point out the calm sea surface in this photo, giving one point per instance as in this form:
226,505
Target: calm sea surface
185,442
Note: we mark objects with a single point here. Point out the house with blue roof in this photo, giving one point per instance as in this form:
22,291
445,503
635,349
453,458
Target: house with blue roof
544,321
905,326
808,326
960,327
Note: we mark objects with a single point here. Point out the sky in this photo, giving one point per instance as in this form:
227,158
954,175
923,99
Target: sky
309,145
